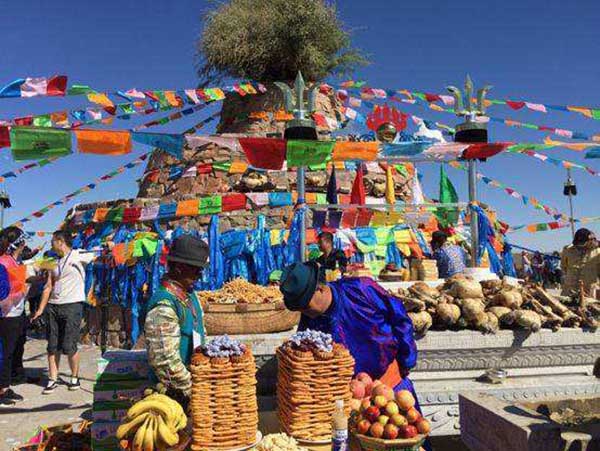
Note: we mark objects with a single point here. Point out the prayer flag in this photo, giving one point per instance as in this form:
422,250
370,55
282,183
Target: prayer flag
264,153
233,202
210,205
103,142
35,86
358,194
447,216
100,99
332,197
76,90
346,150
170,143
390,195
4,136
302,153
29,143
188,207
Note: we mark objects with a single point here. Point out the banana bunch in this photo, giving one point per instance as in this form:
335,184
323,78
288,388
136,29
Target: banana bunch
152,423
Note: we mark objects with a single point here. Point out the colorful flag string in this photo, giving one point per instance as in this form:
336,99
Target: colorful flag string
381,94
527,200
37,164
84,189
544,226
529,150
589,112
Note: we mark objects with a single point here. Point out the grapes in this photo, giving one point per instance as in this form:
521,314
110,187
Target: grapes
312,340
223,346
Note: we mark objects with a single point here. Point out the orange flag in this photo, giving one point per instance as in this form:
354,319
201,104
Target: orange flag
347,150
103,142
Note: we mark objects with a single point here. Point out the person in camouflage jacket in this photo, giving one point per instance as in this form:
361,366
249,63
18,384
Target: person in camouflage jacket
174,324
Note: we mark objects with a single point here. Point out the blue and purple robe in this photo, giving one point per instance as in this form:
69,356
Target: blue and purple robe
372,324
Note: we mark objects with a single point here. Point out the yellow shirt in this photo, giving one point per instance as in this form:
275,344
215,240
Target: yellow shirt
579,264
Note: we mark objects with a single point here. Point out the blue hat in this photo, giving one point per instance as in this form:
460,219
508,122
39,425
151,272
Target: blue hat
298,284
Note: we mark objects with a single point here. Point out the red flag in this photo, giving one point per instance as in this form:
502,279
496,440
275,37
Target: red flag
264,153
235,201
432,97
358,195
57,85
4,136
484,150
515,105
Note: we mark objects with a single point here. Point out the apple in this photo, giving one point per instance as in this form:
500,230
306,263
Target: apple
380,401
390,431
405,400
365,404
391,408
423,426
412,415
399,420
383,419
355,404
378,390
372,413
363,426
408,431
358,389
364,378
376,430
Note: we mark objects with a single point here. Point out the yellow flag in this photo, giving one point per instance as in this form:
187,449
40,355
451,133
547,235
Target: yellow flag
390,196
100,99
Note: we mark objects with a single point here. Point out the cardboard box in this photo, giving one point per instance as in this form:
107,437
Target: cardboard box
123,365
107,411
120,390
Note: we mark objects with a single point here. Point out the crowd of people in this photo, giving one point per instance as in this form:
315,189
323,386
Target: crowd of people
174,323
57,296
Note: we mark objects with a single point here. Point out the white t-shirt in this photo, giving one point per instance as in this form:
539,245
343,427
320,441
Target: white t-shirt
69,278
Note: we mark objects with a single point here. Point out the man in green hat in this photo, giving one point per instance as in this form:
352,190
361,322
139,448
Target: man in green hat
174,324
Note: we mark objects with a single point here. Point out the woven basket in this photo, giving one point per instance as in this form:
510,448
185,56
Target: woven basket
224,404
307,387
379,444
240,319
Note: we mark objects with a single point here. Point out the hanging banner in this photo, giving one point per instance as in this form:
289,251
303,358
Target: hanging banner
303,153
35,86
170,143
103,142
33,143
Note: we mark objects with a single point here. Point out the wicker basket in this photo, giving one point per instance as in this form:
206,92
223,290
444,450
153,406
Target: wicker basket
224,404
307,387
379,444
240,319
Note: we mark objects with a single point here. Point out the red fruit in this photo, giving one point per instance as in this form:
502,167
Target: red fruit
423,426
408,431
364,378
412,415
363,426
365,404
376,430
372,413
358,389
390,431
405,399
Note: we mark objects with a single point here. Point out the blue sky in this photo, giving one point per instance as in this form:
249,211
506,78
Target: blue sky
541,51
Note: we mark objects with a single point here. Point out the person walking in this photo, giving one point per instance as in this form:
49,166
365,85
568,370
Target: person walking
64,296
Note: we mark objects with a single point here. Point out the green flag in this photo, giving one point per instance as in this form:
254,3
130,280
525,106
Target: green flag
77,90
308,153
31,143
447,216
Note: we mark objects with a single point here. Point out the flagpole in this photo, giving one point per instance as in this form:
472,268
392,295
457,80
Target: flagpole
474,218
